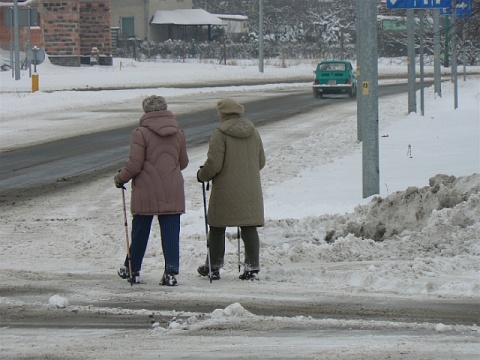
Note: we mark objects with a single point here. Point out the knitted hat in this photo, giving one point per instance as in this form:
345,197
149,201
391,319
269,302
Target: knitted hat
229,106
154,103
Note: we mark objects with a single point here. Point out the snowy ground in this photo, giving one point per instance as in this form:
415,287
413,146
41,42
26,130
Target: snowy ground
60,252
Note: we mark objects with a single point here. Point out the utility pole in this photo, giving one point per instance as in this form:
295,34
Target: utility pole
260,36
412,98
367,57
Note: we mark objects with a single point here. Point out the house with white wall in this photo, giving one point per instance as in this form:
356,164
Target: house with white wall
159,20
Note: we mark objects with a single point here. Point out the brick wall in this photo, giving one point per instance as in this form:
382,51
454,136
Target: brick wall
68,29
95,27
61,30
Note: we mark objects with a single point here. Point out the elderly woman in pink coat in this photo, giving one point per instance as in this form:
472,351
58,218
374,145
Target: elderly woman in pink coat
234,160
157,157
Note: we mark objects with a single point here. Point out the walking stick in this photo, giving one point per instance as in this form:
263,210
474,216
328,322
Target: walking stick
126,236
238,238
206,231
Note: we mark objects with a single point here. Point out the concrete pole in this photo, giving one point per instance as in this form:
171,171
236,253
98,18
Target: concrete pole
412,97
260,36
146,6
367,57
16,41
436,51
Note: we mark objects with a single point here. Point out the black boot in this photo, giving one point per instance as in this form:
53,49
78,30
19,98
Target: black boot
168,280
124,273
203,270
249,275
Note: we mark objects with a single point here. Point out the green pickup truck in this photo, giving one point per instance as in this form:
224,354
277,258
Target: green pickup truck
334,77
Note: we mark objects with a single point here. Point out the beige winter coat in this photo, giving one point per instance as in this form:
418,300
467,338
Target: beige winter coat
157,156
234,160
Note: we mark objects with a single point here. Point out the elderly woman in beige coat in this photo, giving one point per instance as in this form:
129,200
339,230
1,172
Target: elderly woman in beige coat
234,160
157,157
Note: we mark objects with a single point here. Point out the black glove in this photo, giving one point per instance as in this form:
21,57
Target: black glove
198,178
118,182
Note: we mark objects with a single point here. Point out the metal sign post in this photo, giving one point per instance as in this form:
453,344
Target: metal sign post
462,8
454,55
436,53
412,97
422,61
36,56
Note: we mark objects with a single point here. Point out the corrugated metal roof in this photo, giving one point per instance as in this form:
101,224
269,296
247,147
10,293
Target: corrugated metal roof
185,17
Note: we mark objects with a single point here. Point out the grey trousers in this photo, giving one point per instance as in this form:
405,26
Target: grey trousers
216,238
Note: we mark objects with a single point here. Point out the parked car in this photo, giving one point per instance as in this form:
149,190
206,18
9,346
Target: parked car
334,77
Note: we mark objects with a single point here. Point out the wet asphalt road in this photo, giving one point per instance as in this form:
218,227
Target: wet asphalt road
63,162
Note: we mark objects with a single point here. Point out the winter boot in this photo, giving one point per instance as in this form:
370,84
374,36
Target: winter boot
203,270
124,273
168,280
249,275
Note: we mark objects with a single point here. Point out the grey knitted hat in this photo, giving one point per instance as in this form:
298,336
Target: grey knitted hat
154,103
229,106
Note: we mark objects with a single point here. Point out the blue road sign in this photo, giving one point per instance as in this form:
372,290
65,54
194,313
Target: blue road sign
419,4
464,9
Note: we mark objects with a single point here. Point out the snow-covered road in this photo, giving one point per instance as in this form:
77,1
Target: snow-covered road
323,277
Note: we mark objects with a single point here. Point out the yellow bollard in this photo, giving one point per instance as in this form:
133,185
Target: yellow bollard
35,82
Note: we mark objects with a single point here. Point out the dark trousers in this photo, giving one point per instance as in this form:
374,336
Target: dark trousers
170,234
216,238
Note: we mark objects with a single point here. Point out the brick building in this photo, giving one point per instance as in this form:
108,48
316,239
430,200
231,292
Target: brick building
67,30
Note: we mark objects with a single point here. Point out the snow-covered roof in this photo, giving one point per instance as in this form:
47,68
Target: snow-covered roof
21,3
185,17
232,17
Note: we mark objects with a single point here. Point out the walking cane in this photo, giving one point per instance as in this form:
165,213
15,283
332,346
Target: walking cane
126,236
206,231
238,238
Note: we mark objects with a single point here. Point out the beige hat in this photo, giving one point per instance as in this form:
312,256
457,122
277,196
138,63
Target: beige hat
229,106
154,103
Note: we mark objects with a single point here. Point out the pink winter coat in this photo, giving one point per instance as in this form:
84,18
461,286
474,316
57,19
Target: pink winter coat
158,153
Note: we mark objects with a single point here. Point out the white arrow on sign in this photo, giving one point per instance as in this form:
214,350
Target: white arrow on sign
462,6
393,2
